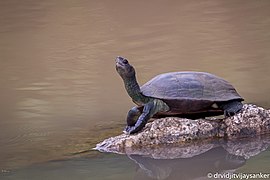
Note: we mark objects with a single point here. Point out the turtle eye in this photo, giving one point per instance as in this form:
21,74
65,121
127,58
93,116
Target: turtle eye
125,61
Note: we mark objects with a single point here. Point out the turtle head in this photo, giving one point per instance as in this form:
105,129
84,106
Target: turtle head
124,69
127,73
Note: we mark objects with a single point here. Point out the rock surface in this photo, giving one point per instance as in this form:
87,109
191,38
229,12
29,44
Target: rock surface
251,121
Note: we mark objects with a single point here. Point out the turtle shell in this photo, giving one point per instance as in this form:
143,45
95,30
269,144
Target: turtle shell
190,91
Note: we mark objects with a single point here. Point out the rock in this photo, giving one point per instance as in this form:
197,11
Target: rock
251,121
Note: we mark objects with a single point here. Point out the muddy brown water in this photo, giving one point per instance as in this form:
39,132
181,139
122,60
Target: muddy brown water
60,93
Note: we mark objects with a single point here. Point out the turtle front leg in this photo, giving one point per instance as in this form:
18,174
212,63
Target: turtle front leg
148,111
142,120
133,115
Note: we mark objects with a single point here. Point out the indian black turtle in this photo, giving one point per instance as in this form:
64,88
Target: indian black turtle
185,94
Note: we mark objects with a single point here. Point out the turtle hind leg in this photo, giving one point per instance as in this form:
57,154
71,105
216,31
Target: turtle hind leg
230,108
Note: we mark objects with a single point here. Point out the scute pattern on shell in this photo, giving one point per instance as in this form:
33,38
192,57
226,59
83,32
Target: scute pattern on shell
190,85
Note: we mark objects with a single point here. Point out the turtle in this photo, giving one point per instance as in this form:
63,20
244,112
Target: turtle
188,94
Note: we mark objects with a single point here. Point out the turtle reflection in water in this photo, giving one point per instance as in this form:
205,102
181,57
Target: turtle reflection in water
185,94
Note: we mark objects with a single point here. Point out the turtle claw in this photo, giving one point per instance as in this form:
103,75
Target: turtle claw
127,130
229,113
130,130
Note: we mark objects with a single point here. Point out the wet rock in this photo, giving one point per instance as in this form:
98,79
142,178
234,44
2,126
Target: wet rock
251,121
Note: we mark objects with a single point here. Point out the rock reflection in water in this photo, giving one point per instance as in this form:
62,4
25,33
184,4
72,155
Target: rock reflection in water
193,161
221,157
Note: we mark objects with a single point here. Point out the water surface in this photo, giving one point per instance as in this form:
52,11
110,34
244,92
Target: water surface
60,93
202,160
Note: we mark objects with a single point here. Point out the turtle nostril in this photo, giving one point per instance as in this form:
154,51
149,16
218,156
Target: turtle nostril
118,58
